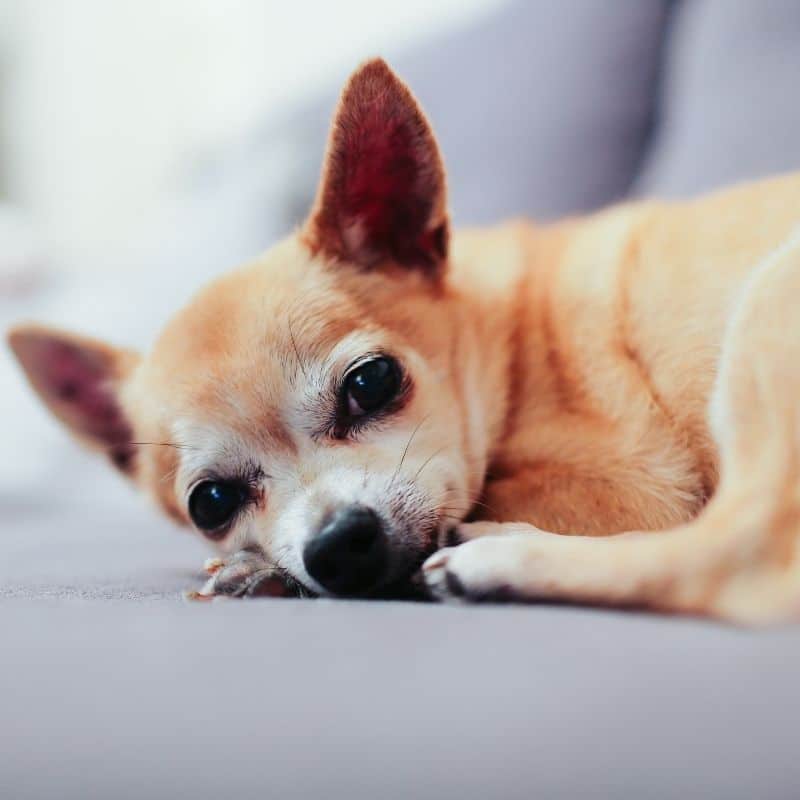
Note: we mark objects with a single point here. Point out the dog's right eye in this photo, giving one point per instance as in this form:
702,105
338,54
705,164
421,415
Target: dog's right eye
371,386
213,504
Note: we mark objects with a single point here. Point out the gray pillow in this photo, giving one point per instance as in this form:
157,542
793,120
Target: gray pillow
730,107
545,108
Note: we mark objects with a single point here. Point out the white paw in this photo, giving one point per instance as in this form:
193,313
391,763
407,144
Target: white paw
478,570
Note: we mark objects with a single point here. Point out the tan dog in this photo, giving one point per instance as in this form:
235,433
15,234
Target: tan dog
368,390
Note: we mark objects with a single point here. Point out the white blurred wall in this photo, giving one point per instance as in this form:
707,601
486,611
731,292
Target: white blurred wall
106,104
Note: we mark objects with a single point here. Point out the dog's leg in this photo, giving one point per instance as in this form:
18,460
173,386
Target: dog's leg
246,573
739,558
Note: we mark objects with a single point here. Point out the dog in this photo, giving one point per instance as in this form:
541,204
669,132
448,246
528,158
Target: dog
602,410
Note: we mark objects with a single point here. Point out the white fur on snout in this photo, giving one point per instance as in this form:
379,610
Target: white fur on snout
407,513
337,487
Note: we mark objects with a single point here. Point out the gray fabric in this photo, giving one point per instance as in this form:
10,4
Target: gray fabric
92,538
730,88
114,688
354,701
104,697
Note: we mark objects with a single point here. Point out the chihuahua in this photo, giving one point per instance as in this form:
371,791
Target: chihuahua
375,406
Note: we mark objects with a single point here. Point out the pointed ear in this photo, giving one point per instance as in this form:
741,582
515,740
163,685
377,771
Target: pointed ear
382,195
79,381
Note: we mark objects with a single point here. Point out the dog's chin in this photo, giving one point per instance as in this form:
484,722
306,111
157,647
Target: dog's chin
405,581
410,589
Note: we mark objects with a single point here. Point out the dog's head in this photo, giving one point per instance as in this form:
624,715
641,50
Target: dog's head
315,403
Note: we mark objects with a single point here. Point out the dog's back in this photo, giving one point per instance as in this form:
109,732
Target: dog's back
620,316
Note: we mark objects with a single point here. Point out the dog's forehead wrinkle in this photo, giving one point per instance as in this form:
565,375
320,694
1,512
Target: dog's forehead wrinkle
214,450
357,343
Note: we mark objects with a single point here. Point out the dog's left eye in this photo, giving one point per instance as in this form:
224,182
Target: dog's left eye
371,385
213,504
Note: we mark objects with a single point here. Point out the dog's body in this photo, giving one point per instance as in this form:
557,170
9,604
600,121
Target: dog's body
636,370
614,328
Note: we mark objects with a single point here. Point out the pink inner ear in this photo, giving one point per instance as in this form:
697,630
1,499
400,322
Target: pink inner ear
383,189
386,191
78,382
381,174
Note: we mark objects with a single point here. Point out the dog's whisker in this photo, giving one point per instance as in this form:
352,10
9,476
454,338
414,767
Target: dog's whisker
169,475
481,504
300,362
472,498
408,445
426,462
459,512
162,444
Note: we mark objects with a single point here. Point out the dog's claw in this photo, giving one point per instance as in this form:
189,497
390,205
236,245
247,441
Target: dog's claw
213,565
192,596
438,578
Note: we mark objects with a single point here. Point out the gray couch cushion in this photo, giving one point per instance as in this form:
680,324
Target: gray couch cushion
546,108
730,85
354,701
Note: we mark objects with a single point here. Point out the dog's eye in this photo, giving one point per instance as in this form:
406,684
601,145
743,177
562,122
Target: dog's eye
371,385
213,504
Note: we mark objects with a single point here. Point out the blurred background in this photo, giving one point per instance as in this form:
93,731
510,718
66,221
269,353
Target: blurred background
109,109
146,146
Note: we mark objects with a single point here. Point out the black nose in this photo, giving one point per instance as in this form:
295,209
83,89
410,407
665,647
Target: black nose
348,555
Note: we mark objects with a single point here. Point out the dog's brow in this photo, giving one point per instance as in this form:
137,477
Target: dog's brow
319,371
352,346
212,451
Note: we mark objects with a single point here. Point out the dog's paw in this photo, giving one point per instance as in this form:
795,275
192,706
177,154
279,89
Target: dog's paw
476,571
245,574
